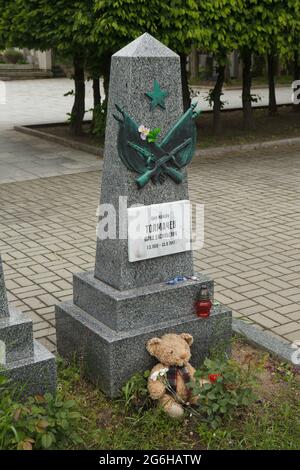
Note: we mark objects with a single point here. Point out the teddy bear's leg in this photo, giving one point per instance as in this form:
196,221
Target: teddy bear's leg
171,407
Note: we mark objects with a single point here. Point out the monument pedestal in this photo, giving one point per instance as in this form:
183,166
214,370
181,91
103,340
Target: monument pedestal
109,329
25,361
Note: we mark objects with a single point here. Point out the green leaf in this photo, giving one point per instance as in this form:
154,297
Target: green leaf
153,134
47,440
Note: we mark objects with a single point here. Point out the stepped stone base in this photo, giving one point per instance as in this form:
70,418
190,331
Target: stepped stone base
34,375
25,361
22,72
30,366
139,307
16,332
110,358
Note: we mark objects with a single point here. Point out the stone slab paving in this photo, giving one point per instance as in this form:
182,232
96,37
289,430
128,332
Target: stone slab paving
41,101
23,157
24,102
252,238
233,97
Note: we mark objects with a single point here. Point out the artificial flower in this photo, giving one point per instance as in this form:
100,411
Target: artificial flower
144,131
213,377
159,373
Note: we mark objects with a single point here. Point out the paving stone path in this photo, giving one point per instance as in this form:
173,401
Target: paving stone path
252,238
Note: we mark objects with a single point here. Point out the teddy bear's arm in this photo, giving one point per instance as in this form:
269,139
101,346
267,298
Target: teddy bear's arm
156,387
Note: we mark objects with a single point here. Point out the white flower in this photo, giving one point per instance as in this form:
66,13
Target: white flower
158,373
144,131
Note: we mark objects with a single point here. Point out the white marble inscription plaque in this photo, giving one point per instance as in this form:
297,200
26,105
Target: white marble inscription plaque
158,230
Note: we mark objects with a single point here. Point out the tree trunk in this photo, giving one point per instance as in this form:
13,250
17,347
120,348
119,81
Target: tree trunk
185,85
217,99
97,99
194,61
271,79
296,67
78,109
96,91
246,95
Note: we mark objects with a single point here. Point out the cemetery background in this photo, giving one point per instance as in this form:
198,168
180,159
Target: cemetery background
41,254
264,269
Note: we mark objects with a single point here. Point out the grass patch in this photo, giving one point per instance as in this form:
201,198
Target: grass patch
81,417
286,124
261,81
272,422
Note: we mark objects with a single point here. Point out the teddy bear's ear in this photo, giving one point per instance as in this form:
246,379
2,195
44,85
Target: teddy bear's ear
151,345
188,338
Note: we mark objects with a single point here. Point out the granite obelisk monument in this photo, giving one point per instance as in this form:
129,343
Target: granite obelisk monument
126,300
25,361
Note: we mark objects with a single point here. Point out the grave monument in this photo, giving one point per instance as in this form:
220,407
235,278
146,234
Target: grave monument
25,361
126,300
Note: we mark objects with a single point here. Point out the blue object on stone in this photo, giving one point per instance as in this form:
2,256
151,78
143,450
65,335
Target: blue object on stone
177,279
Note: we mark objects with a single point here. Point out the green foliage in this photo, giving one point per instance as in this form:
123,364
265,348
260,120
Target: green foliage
153,134
266,426
269,423
255,98
41,422
99,119
210,98
120,21
135,392
71,117
217,29
12,56
69,93
43,24
150,430
232,389
270,26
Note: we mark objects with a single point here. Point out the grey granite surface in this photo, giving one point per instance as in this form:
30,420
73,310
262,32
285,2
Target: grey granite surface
134,308
28,364
132,76
3,297
110,358
267,341
16,331
145,46
35,375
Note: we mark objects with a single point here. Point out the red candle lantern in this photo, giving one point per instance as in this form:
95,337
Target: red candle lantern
203,304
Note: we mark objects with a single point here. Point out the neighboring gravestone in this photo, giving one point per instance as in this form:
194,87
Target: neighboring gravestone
4,312
29,364
126,300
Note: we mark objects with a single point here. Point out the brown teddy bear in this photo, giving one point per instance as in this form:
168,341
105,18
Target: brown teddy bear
168,380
